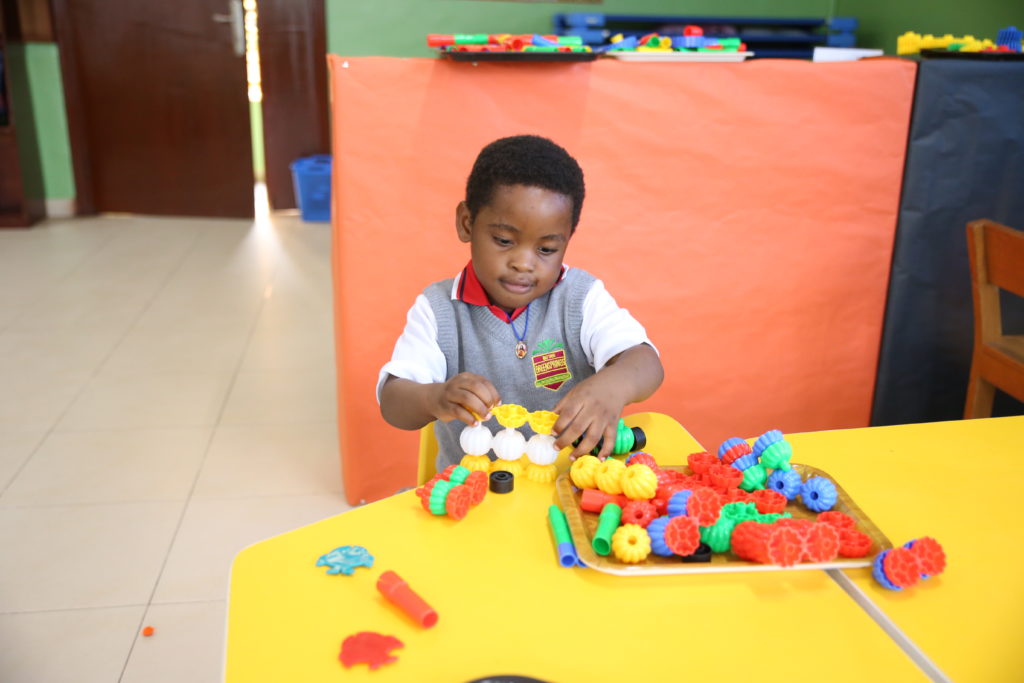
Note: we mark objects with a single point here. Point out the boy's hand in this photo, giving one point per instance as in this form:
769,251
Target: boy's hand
463,395
591,409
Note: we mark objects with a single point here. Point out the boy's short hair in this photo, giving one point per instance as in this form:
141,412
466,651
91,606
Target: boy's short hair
525,160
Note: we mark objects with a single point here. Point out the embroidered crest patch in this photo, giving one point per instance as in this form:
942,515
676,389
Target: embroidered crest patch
549,365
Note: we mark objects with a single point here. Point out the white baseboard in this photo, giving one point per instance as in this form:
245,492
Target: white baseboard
60,208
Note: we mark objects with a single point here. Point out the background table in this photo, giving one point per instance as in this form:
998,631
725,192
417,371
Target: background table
505,606
959,483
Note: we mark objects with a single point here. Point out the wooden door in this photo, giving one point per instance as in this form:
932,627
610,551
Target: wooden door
158,110
293,65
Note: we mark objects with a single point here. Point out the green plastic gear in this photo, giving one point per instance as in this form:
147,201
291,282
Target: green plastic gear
719,536
623,438
754,478
439,495
739,512
458,475
777,455
770,517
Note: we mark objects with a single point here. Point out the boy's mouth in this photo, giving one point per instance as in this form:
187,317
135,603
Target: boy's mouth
516,286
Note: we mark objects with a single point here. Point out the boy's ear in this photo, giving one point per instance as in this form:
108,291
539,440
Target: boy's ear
463,222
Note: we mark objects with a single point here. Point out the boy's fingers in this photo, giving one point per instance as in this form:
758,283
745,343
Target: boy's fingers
609,441
464,415
485,392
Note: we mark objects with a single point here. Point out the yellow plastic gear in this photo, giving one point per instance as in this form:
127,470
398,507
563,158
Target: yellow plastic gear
510,415
608,475
476,463
639,482
541,421
583,470
513,466
542,474
631,544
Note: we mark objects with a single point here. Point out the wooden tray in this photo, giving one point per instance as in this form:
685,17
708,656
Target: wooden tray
582,525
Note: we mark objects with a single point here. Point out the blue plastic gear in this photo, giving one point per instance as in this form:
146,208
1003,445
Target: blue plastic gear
345,559
766,440
677,503
656,530
818,494
1009,37
786,482
748,460
727,444
878,571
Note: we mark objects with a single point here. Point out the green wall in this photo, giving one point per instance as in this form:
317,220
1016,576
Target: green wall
882,21
41,124
399,27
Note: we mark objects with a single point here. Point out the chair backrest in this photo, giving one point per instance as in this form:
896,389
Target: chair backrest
427,466
997,262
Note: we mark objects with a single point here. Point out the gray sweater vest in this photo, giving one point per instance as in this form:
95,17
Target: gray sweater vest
475,340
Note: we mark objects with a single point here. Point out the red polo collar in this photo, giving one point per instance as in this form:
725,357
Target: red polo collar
470,291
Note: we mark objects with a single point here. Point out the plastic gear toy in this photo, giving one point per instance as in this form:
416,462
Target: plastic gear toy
345,559
370,648
510,415
786,482
631,544
819,494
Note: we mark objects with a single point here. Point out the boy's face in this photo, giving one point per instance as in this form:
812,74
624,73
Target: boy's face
518,242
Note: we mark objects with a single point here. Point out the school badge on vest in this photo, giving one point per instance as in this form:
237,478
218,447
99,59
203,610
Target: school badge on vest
549,365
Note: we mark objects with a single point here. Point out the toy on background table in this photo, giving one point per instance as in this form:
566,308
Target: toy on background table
453,491
904,566
398,593
370,648
345,560
692,40
1008,40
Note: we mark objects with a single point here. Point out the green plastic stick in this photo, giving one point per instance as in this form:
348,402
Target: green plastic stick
471,38
607,523
559,525
570,40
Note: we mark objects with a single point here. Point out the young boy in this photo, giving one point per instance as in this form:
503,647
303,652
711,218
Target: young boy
516,325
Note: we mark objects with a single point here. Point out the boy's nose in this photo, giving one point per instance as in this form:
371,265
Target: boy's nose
521,261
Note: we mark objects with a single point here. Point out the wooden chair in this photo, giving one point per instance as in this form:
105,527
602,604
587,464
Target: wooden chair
997,262
667,440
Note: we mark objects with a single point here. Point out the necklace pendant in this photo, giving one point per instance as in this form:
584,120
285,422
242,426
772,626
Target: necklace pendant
520,349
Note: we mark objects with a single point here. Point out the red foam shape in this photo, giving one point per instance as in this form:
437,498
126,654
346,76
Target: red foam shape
477,482
682,535
901,567
768,501
930,556
644,459
457,502
370,648
853,543
821,544
700,462
839,520
785,545
704,506
736,452
725,477
640,512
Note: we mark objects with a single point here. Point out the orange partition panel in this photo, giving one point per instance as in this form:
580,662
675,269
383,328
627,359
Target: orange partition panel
743,212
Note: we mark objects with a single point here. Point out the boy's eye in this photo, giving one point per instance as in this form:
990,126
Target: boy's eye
548,251
501,241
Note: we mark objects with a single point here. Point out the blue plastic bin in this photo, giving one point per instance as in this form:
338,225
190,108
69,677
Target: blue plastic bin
312,179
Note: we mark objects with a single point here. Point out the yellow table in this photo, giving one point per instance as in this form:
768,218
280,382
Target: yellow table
506,606
958,482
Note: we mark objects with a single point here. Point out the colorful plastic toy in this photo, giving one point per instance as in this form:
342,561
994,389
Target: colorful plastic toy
638,482
565,548
818,494
542,421
1010,38
510,446
682,535
594,500
641,458
854,543
904,566
704,506
510,415
744,462
607,523
656,532
677,503
505,42
639,512
502,481
733,449
776,456
765,440
821,543
370,648
754,478
627,439
345,560
930,556
786,482
398,593
631,544
718,535
608,476
768,501
700,463
453,491
541,453
582,471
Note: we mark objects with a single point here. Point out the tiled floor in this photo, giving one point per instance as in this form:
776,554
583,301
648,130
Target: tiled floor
166,398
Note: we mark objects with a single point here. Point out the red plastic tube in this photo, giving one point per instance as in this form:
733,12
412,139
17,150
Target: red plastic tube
594,500
398,593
